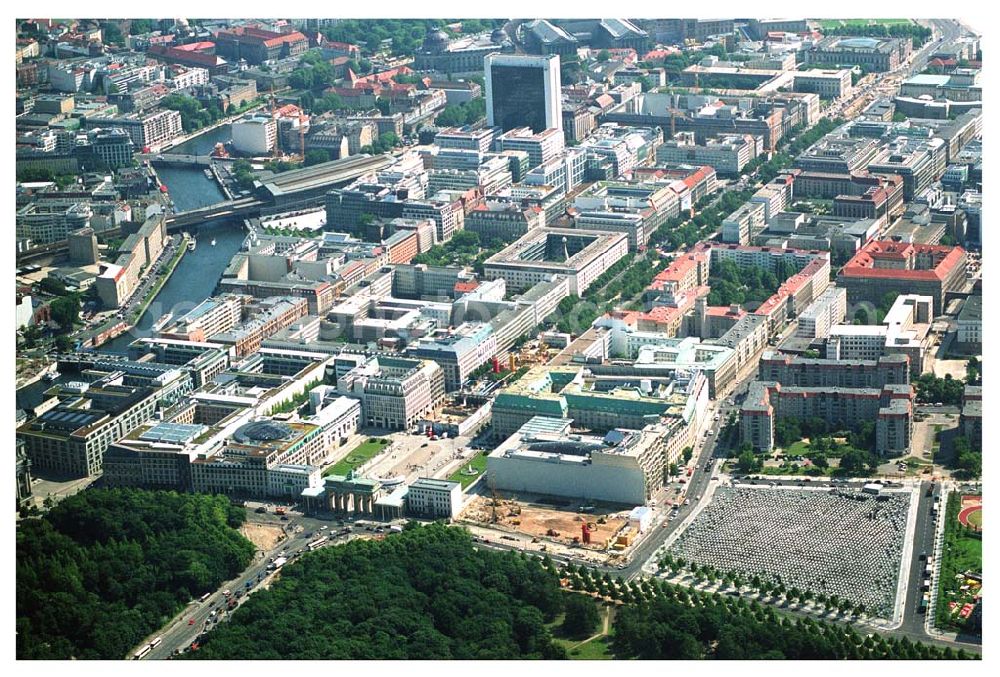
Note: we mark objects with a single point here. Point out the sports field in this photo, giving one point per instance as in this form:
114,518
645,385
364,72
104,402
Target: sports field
971,513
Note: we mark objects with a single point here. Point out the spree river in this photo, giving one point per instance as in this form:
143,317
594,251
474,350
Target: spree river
199,271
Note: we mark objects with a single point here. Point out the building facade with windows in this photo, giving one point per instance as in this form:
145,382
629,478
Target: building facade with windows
891,407
71,438
429,497
523,91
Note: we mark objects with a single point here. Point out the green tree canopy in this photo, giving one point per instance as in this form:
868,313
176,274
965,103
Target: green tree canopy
316,156
425,593
66,311
105,568
194,115
582,617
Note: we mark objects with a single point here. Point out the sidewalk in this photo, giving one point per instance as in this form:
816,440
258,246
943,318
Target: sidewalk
929,620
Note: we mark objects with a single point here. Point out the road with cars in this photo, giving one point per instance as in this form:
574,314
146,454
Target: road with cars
871,86
300,530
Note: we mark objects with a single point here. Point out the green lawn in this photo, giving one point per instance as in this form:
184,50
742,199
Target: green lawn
479,465
800,448
359,455
937,441
596,649
962,552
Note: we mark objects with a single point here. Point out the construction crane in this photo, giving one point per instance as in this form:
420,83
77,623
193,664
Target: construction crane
276,151
495,495
302,137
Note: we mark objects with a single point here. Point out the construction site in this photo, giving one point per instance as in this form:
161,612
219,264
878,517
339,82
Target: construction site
596,528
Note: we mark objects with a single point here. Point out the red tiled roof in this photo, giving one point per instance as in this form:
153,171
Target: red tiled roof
267,38
629,317
771,304
696,177
661,314
288,110
790,287
604,100
286,38
196,46
668,314
677,270
660,53
364,89
182,56
863,263
386,76
724,311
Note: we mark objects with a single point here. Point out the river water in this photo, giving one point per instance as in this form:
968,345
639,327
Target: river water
199,271
204,144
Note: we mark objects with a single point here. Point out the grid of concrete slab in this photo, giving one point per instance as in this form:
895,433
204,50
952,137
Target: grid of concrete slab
840,542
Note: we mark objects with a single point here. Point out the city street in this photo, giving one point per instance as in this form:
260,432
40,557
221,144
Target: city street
654,207
300,530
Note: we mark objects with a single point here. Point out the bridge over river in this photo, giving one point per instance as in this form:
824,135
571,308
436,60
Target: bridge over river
295,189
183,159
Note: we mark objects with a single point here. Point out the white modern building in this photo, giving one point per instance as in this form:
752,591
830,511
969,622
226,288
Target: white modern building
970,324
904,330
542,147
744,224
429,497
23,312
625,466
255,135
580,255
828,83
459,352
395,392
826,311
728,154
